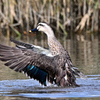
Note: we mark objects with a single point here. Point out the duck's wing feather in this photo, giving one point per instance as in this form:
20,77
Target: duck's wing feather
32,47
28,61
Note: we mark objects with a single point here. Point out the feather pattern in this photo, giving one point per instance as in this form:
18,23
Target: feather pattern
32,47
23,58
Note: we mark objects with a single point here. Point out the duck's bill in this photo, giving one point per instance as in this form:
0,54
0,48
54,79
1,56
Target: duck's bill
33,30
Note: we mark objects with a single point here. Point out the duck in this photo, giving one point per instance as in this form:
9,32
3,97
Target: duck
51,65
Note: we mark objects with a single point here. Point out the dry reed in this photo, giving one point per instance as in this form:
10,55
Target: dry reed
63,15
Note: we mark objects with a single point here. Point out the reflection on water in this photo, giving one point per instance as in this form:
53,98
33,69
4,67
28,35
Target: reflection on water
85,54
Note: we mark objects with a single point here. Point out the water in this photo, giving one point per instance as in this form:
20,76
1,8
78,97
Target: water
85,54
27,88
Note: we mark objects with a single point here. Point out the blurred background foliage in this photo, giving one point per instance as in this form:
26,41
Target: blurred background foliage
64,16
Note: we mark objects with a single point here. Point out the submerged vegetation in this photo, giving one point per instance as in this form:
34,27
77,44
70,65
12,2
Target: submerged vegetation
62,15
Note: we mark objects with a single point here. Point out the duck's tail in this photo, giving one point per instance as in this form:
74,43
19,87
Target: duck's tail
78,73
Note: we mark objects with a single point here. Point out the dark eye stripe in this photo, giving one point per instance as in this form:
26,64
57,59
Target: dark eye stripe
40,25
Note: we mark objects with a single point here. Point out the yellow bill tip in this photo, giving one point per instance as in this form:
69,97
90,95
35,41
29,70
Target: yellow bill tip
30,31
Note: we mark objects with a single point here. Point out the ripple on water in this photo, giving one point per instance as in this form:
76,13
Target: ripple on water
89,87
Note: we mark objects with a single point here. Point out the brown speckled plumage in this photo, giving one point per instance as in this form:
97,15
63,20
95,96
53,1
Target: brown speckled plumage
59,67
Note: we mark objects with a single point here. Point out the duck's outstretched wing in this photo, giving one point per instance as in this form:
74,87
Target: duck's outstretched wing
37,66
32,47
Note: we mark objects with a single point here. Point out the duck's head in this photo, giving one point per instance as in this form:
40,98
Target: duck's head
43,27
